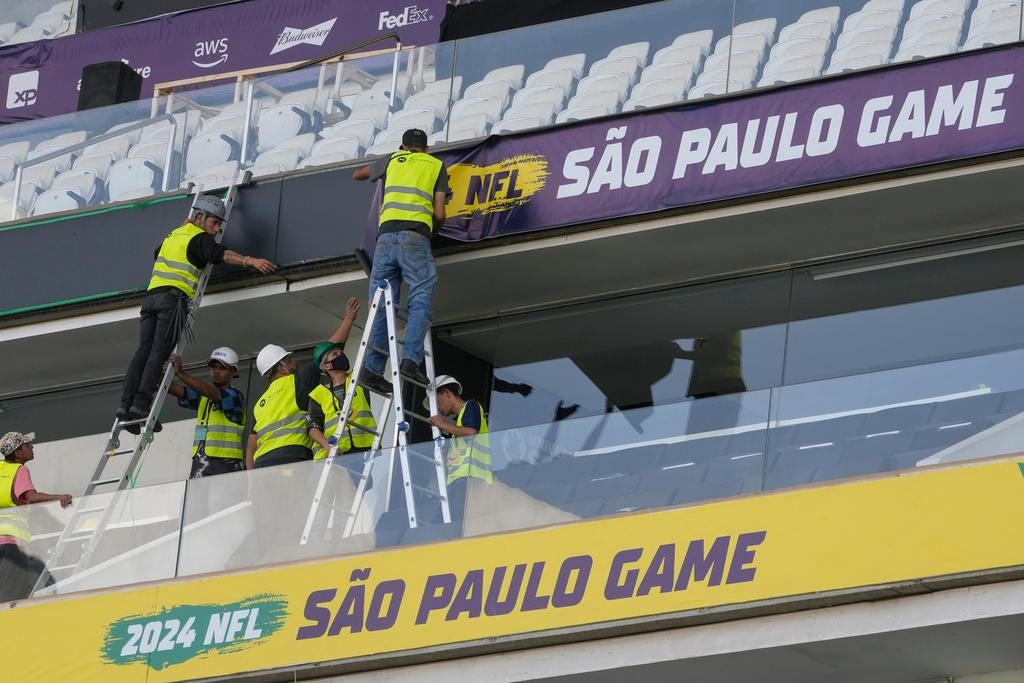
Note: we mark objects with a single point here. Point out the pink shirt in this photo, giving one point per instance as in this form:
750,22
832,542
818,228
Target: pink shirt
22,485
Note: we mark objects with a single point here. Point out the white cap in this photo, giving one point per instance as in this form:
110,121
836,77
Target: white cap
442,381
225,355
269,356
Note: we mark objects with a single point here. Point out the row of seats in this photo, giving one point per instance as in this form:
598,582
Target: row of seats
50,23
721,466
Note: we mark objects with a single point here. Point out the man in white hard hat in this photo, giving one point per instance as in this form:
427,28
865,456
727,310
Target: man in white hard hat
280,424
220,408
19,571
180,260
469,453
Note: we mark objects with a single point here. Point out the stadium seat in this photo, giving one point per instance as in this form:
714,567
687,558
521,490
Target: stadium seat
992,38
215,177
854,63
496,89
16,150
742,41
673,89
765,27
375,111
799,46
341,147
423,118
811,63
280,123
509,125
788,76
133,135
209,150
156,151
866,35
736,74
656,99
232,124
715,88
931,22
53,23
700,39
437,101
545,111
7,206
999,16
27,35
573,62
116,148
581,113
41,175
673,71
84,182
385,149
370,97
303,143
361,129
628,65
638,50
238,108
722,60
132,178
7,30
7,166
938,6
57,143
488,106
563,78
27,196
513,74
391,137
609,101
188,124
885,4
606,82
888,18
53,201
468,125
690,54
276,161
923,50
820,30
861,52
540,93
453,86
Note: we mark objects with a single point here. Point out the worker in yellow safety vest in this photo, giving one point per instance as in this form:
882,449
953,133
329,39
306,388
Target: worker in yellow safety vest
217,447
415,191
280,425
327,400
19,571
180,261
469,453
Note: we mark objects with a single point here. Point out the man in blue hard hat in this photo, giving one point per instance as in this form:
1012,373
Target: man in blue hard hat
413,206
180,260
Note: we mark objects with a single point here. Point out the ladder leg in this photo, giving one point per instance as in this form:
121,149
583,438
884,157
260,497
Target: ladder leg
439,466
398,409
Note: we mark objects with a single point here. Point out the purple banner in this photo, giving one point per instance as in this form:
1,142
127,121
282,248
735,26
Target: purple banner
42,78
796,136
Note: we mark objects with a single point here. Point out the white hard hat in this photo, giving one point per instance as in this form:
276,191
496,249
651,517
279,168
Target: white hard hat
211,205
225,355
270,356
441,381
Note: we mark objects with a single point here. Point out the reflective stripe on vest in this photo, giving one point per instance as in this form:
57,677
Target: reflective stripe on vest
223,437
12,520
470,456
279,422
172,268
362,414
409,188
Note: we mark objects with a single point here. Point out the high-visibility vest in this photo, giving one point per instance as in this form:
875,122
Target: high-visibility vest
222,436
362,414
470,456
279,421
172,267
12,520
409,188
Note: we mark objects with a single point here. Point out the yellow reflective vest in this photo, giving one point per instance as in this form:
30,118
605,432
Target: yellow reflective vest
12,520
222,436
470,456
279,421
172,267
362,414
409,188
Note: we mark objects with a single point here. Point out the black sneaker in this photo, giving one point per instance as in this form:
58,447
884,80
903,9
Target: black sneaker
136,413
371,380
409,368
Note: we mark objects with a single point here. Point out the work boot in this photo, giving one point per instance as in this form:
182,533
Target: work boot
371,380
409,368
137,413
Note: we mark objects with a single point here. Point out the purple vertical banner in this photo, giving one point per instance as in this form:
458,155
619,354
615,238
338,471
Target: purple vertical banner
795,136
221,39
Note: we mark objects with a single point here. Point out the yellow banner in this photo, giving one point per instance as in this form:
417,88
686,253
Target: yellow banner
923,524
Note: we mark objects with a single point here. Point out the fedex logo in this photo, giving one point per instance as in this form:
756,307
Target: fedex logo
23,89
410,15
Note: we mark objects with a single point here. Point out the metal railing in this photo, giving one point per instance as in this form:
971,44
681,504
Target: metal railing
64,151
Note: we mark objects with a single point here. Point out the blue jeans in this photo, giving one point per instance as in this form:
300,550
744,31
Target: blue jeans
403,256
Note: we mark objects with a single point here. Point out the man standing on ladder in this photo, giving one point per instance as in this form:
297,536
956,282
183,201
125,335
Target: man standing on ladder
413,205
180,261
217,445
469,454
279,416
327,401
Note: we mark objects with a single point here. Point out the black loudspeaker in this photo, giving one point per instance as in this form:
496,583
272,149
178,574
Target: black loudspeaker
108,83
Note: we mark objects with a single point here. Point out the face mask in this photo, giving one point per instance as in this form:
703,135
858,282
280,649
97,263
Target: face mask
340,364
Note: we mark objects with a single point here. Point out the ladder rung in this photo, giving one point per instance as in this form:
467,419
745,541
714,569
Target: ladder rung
124,452
412,381
104,482
422,456
75,539
421,418
61,568
132,423
362,428
430,492
86,511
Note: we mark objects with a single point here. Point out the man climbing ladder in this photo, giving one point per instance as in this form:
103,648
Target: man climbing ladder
415,192
180,261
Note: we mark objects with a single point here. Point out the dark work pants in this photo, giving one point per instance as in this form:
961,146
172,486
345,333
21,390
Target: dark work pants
19,573
162,317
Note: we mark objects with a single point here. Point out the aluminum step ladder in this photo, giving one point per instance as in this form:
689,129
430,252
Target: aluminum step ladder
394,413
80,543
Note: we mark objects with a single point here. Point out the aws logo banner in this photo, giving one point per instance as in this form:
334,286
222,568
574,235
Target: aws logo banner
484,190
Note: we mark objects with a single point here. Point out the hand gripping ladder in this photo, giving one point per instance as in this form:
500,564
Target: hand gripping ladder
87,539
393,407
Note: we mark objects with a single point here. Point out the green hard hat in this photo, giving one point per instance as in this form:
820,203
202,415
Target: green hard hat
321,349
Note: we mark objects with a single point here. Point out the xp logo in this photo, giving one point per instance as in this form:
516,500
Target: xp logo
210,53
410,15
23,90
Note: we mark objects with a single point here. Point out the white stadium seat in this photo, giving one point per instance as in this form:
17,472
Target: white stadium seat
885,4
8,29
99,164
799,47
437,100
375,111
938,6
580,114
639,50
1004,23
674,54
742,41
133,135
379,150
630,66
947,36
511,125
1000,12
701,39
993,38
132,178
7,166
513,74
469,125
340,148
302,143
923,51
84,182
820,30
498,89
674,89
539,93
814,63
736,74
280,123
208,150
453,86
438,138
676,71
573,62
488,106
116,147
829,15
931,22
232,124
865,35
765,27
563,78
882,17
238,108
544,111
28,35
53,201
423,118
606,82
361,129
606,100
735,58
855,62
716,88
648,101
40,175
788,76
391,136
215,177
155,150
857,52
16,150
